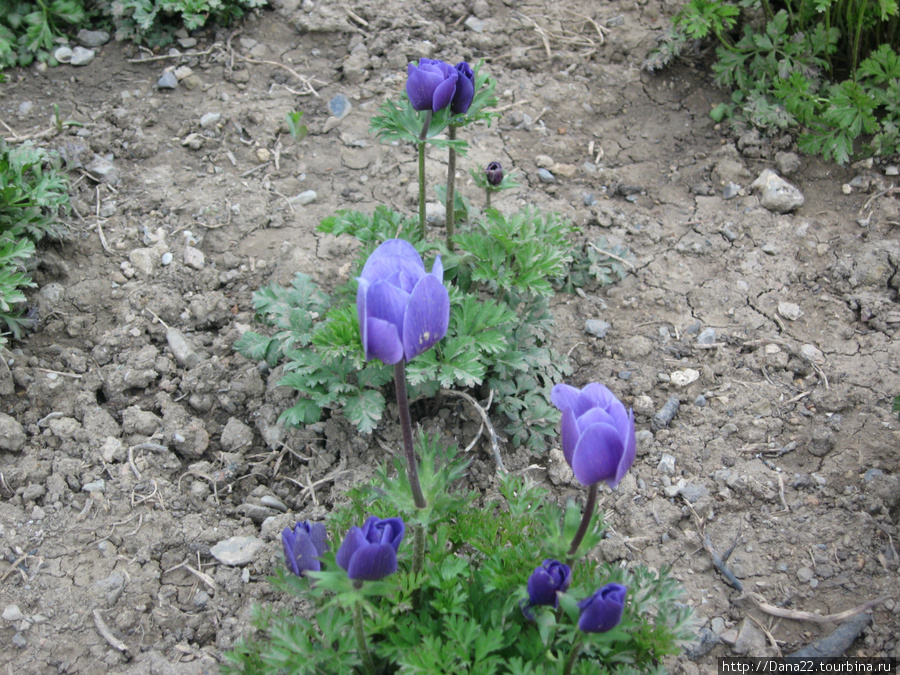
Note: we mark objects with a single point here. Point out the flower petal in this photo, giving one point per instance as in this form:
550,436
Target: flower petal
629,452
602,611
595,395
383,341
465,89
443,93
354,540
318,535
393,256
373,562
420,85
427,316
564,396
569,434
597,455
437,270
596,416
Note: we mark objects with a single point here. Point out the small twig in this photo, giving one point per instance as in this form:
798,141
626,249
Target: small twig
772,640
15,566
611,255
781,492
492,435
107,635
134,469
52,416
760,602
185,55
74,376
358,19
474,440
306,81
871,199
203,576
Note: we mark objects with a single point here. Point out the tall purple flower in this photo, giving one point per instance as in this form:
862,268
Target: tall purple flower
303,545
598,438
431,84
369,553
465,89
403,310
602,611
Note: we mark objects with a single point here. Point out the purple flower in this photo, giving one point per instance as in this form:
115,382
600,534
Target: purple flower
402,309
369,553
602,611
494,173
303,545
550,577
597,433
465,89
431,84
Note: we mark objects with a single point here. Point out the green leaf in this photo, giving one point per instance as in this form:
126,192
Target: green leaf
364,408
304,411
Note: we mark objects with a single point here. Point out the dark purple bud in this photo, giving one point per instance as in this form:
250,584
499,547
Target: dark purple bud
602,611
303,545
431,84
369,553
547,579
465,89
597,432
494,173
403,310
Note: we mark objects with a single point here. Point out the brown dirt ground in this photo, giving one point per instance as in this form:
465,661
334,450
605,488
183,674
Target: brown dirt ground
794,454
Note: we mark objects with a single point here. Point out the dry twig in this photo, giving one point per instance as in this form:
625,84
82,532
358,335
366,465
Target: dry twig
492,435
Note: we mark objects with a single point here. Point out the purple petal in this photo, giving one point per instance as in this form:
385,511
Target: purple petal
594,395
443,93
569,433
383,341
391,257
602,611
465,89
596,416
351,544
427,316
420,86
597,455
564,396
437,270
373,562
361,290
318,535
386,301
629,452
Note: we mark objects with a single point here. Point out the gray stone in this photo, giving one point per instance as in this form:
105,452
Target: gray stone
717,625
559,471
144,260
707,337
731,190
92,38
12,613
167,81
805,574
63,54
694,492
435,214
339,105
102,170
94,486
111,587
666,465
194,258
474,24
273,503
700,401
81,56
776,194
237,551
545,176
597,328
872,474
304,198
787,163
790,310
236,435
210,119
12,435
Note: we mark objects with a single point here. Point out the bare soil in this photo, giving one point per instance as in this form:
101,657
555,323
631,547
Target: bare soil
133,466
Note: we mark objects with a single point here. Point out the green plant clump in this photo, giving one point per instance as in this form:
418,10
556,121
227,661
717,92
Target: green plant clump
464,613
828,69
33,196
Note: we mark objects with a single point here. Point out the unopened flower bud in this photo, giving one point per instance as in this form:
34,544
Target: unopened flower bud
494,173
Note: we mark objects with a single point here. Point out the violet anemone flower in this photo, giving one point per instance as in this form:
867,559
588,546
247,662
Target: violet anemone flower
494,173
303,545
602,611
403,310
369,553
431,84
598,438
465,89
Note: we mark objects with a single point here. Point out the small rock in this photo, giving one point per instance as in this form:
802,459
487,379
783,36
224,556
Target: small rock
693,492
304,198
193,141
543,161
872,474
682,378
12,613
435,214
166,258
790,311
707,337
717,625
559,471
144,260
94,486
644,441
891,170
474,24
210,119
12,434
666,414
804,574
194,258
589,199
624,375
731,190
63,54
751,641
545,176
187,42
776,194
102,170
700,401
597,328
19,641
564,170
182,72
236,435
666,465
92,38
339,105
273,503
769,249
236,551
787,163
167,81
813,354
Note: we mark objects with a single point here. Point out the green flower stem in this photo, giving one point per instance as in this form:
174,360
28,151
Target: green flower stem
573,656
589,504
421,144
422,188
412,470
362,644
487,198
451,187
